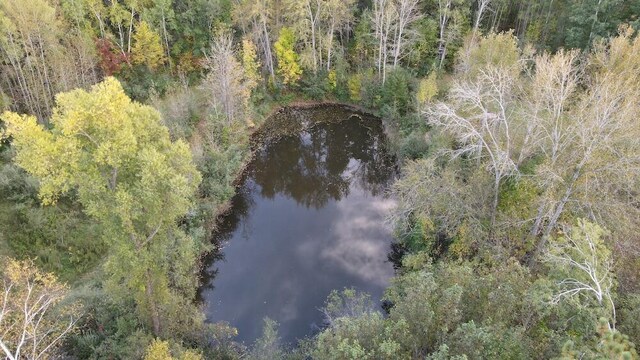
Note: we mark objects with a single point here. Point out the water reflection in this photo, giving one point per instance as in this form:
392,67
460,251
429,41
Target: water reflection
308,219
322,164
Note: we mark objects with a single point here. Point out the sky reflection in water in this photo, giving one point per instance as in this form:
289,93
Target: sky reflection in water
309,218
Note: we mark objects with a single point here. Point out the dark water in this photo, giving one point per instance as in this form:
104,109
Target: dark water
309,218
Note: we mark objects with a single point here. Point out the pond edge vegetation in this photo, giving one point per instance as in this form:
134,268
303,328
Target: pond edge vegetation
132,188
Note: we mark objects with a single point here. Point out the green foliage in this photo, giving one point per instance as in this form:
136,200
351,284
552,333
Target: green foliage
268,346
193,32
629,317
141,83
413,146
517,201
459,293
613,344
593,20
355,87
60,239
315,86
396,92
356,331
458,310
129,177
363,47
487,343
495,50
424,53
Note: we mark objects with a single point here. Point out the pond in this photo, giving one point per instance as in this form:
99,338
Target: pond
309,217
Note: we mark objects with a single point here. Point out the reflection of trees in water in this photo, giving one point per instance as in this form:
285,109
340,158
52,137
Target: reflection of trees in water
323,162
242,204
312,167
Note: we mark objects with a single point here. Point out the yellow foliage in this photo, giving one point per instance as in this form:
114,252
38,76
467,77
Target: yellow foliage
463,242
147,47
427,89
250,62
127,174
190,355
495,50
355,87
93,133
288,60
332,78
159,350
27,296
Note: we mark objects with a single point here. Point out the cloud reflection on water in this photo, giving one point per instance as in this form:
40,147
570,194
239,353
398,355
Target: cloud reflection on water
309,218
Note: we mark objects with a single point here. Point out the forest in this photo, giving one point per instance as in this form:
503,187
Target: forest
125,124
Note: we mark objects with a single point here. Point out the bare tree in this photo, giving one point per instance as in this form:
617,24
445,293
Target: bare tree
586,265
483,6
226,80
407,14
347,303
481,114
553,87
592,148
255,17
433,193
306,17
339,17
444,15
383,17
41,56
450,16
30,325
392,20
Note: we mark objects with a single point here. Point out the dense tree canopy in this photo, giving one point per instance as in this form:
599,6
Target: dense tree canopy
126,125
128,175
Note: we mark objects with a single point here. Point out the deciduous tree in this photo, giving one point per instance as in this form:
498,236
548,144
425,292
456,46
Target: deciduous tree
585,266
41,55
482,112
227,81
392,20
33,323
147,47
119,160
288,59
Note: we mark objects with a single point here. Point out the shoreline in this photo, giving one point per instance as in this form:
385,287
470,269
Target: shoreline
255,143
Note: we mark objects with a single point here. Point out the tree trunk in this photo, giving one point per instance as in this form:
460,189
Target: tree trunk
312,21
166,37
130,31
155,317
330,45
494,206
593,23
442,44
267,49
556,213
